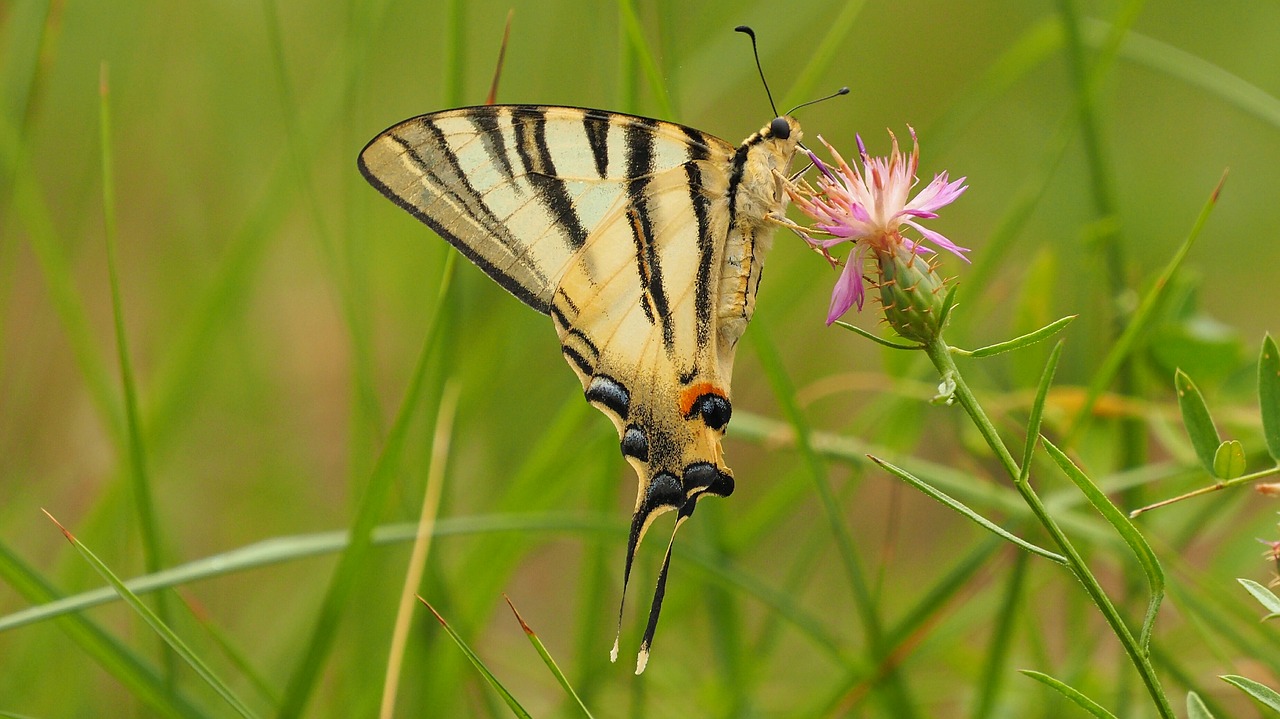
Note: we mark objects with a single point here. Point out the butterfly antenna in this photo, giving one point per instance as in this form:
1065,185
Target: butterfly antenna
502,56
837,93
754,51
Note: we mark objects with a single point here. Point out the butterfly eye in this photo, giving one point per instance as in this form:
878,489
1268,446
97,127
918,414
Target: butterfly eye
780,128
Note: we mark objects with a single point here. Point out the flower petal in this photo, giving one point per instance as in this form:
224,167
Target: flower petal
941,241
848,290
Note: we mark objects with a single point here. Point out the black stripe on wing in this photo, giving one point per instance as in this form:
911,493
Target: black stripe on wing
597,124
639,144
530,124
495,146
470,203
701,204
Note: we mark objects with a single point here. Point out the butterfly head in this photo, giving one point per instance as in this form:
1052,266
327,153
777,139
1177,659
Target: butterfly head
764,158
781,136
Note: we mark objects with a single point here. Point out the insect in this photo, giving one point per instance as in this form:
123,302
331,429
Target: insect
644,242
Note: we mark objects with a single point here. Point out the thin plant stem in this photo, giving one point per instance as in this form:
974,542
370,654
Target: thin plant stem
1220,484
941,356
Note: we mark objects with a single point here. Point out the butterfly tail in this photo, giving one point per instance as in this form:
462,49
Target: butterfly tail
660,590
663,493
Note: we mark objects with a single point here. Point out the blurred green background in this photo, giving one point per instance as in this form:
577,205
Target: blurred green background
275,306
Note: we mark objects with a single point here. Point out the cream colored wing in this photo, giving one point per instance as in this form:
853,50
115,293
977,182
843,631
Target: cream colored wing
642,239
518,188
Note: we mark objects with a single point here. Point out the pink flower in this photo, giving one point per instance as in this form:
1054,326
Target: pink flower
869,208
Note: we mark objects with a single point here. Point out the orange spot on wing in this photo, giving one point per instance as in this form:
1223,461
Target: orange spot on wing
693,392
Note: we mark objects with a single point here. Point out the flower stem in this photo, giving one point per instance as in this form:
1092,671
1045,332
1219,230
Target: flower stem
941,355
1220,484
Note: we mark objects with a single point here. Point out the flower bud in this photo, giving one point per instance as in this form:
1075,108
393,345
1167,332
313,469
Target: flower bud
911,294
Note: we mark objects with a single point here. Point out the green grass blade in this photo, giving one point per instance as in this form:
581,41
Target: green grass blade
546,659
293,548
644,53
897,698
996,665
968,513
1071,693
139,479
1030,50
1269,394
1263,693
162,629
140,679
25,32
361,365
1196,418
1196,708
1142,319
1127,531
234,654
33,213
344,580
1191,69
1026,340
422,544
1265,597
915,623
475,660
833,43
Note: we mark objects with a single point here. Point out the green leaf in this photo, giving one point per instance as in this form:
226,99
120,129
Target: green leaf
1196,418
1269,394
172,639
958,506
878,340
1228,460
1037,410
546,659
1125,528
1026,340
1196,708
1265,597
1263,693
514,705
1071,693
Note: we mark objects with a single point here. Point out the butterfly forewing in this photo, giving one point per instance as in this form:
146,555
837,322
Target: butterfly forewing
517,188
642,239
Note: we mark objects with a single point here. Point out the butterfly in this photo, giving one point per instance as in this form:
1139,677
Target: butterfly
643,240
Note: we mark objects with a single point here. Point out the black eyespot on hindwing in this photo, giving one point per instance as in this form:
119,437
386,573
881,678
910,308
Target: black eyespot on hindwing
664,491
722,487
714,409
610,393
635,444
779,128
699,476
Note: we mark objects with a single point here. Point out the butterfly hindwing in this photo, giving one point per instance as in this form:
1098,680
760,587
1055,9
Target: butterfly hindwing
642,239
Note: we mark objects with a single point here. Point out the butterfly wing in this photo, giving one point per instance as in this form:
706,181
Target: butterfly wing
516,188
637,236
